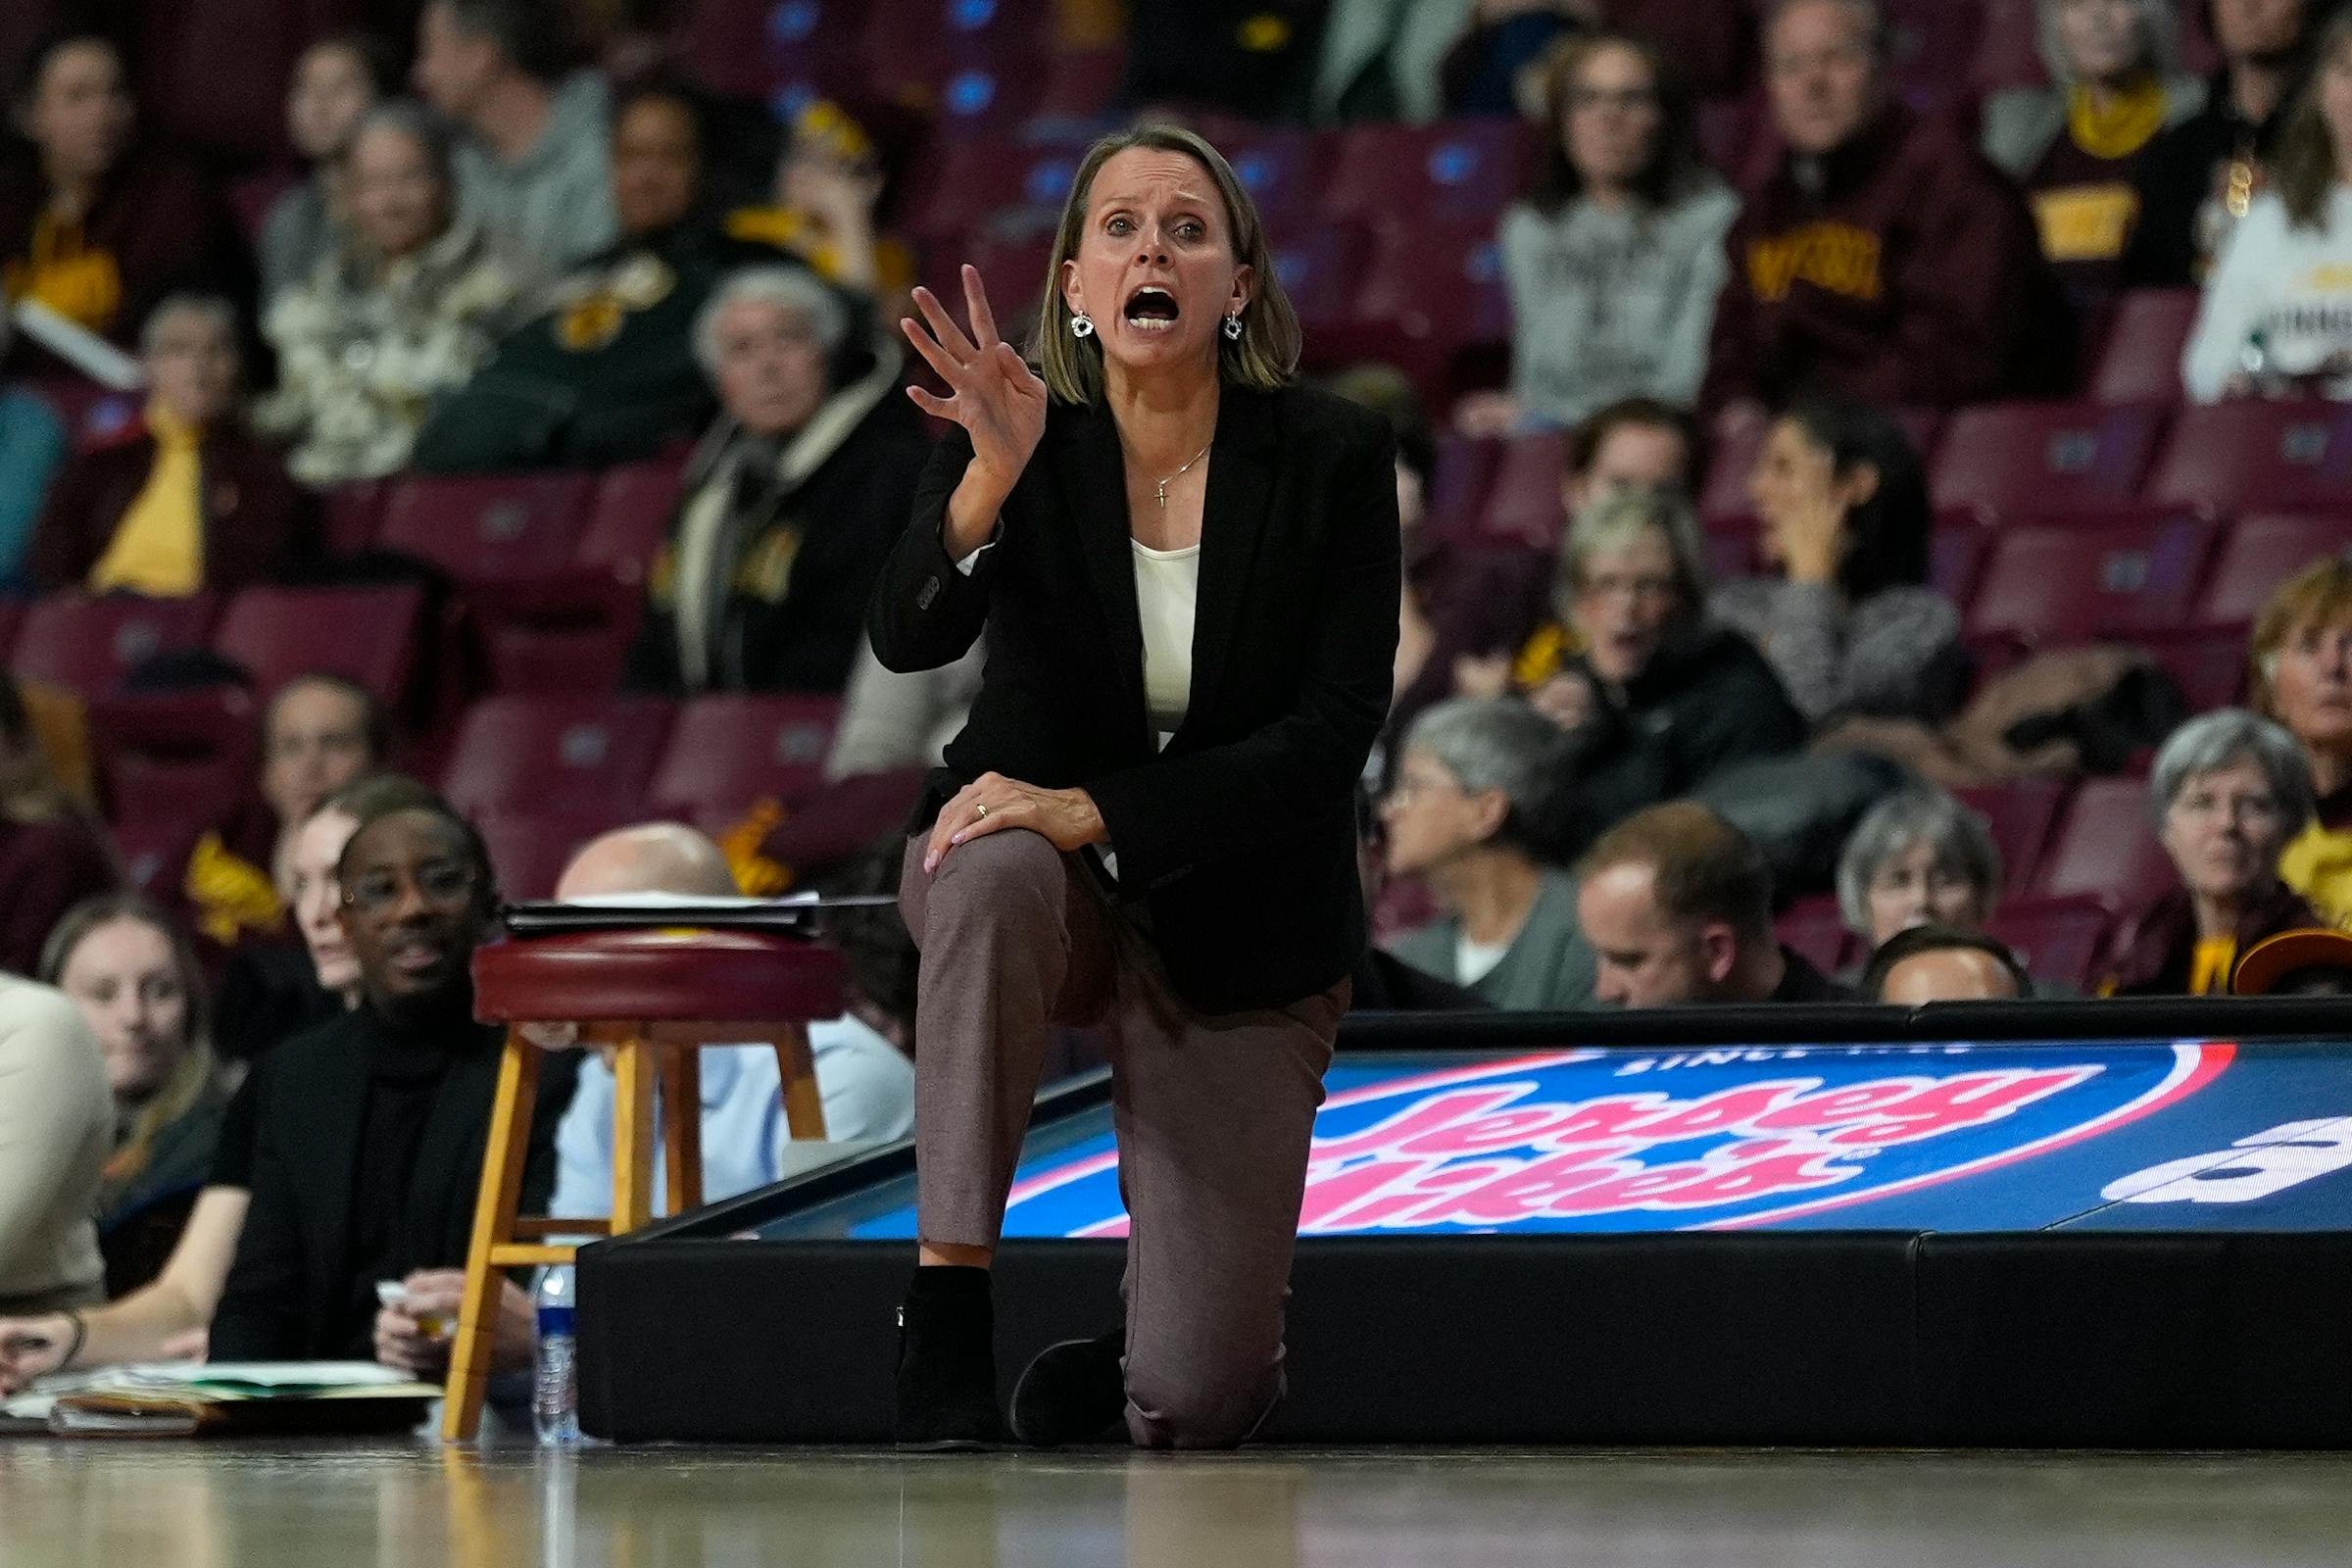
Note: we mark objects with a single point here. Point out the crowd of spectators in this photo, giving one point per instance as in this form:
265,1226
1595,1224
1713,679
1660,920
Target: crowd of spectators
233,1103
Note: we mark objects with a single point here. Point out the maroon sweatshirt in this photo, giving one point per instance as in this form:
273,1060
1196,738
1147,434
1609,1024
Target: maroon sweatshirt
160,225
255,518
1902,269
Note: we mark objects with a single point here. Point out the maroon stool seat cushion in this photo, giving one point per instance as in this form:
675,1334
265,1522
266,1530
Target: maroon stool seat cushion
675,976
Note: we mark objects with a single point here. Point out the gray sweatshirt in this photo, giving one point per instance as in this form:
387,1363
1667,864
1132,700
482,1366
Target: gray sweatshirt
552,206
1873,658
1612,304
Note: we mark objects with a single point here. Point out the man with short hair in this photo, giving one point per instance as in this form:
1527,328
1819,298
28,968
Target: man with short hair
867,1083
1937,964
1677,904
536,167
1882,257
371,1128
1634,444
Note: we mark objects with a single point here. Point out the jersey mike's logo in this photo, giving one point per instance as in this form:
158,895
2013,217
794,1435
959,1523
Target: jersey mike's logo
1593,1141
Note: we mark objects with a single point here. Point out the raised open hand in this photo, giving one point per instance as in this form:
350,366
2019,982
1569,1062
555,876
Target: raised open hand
992,393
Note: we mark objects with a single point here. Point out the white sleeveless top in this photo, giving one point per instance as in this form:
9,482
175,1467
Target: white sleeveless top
1167,591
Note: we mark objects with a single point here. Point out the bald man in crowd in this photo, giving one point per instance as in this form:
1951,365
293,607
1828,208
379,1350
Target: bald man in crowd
867,1083
1937,964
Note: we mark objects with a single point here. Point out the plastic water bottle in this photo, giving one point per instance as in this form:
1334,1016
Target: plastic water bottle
556,1393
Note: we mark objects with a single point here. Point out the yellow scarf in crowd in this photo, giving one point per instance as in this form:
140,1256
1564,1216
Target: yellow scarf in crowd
158,549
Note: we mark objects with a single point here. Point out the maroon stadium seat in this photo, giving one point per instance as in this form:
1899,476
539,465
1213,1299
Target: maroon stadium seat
93,415
1280,168
2021,814
629,518
750,46
154,850
1407,177
838,823
1930,47
350,515
2208,662
1956,556
2034,458
2260,553
971,180
91,644
1320,272
491,527
2059,584
567,636
1733,550
1082,85
1815,928
528,849
962,28
2139,359
1458,490
2008,52
368,634
728,752
187,757
976,95
575,754
2059,940
2235,456
2105,847
1724,496
1525,505
1430,292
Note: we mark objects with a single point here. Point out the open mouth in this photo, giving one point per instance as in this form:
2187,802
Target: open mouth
1152,308
415,957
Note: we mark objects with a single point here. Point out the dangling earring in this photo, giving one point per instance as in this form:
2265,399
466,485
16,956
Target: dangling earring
1082,326
1233,326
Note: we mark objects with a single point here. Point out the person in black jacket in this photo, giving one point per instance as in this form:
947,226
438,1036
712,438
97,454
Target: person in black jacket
791,503
369,1136
1655,699
1187,567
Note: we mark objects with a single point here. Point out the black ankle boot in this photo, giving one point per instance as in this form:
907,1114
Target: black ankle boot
947,1381
1074,1392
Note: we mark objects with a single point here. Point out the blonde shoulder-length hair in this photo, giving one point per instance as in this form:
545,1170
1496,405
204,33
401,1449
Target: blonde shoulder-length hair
1266,354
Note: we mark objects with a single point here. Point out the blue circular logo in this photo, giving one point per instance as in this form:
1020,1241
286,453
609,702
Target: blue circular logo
971,93
1451,162
794,21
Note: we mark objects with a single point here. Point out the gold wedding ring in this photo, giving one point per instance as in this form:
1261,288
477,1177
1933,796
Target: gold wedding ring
983,810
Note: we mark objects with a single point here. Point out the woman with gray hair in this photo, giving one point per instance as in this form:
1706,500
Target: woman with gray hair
2075,143
1917,857
2230,789
1462,813
1655,697
791,504
408,313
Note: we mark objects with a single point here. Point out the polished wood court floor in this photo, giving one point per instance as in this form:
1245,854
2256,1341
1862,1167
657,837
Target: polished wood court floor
133,1504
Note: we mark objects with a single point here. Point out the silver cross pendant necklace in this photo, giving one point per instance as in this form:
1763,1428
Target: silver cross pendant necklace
1178,474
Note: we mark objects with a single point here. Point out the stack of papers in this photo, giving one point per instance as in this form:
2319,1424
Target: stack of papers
186,1398
795,912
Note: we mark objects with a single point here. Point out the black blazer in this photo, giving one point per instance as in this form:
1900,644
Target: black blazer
1240,835
290,1288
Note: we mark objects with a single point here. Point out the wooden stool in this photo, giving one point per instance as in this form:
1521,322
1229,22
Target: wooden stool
659,996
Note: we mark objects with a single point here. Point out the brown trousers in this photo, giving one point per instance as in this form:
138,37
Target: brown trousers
1213,1116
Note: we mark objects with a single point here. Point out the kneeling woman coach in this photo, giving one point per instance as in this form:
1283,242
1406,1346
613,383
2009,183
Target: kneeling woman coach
1188,570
